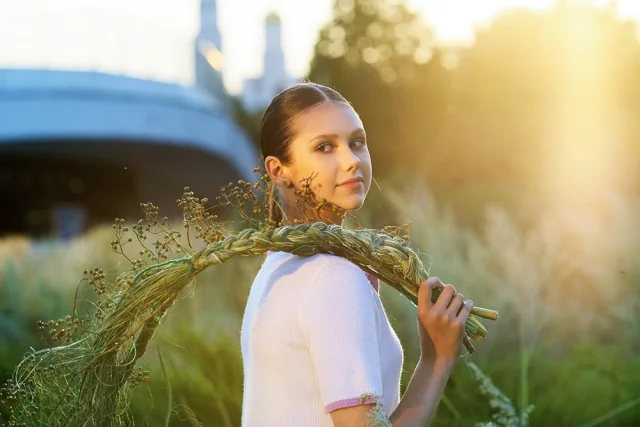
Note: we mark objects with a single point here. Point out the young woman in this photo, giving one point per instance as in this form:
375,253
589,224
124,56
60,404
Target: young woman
317,347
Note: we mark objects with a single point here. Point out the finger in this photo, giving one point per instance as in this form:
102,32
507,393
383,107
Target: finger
461,306
454,306
465,310
444,298
426,290
455,297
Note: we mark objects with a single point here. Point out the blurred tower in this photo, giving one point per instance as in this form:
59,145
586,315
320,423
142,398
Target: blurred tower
209,23
208,55
258,92
273,54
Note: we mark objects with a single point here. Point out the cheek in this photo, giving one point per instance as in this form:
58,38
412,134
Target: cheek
323,185
314,174
367,172
365,165
320,168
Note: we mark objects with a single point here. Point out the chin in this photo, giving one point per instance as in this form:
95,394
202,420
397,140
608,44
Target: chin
351,203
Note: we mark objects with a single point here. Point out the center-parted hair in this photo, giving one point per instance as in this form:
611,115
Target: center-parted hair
277,128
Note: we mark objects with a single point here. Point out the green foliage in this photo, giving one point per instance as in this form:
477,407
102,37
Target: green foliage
505,414
247,120
205,383
560,284
520,118
538,91
525,60
577,329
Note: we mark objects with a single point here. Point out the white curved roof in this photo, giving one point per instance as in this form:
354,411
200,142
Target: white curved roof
37,105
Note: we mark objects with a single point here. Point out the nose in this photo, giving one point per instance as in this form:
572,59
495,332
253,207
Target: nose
350,161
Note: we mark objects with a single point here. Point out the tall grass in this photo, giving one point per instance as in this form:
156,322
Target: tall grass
566,286
567,289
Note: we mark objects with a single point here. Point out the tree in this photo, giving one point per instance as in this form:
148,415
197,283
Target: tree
540,109
383,59
248,121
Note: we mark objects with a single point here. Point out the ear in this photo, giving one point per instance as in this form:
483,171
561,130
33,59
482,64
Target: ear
278,172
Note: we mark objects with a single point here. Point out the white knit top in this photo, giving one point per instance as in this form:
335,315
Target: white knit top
315,338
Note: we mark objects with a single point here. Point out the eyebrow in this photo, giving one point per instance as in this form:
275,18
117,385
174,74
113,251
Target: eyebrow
358,131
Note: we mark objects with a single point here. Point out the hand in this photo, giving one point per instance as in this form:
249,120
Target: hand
441,325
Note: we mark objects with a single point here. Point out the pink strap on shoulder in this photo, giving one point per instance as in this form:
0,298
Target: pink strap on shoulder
374,282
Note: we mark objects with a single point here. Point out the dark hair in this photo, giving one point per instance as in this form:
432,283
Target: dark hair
277,126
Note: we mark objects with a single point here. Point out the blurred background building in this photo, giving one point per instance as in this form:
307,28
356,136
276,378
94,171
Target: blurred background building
81,144
258,92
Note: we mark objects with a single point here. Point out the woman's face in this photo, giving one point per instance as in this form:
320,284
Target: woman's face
331,147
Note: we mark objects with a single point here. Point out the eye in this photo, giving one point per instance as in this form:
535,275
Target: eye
358,143
323,147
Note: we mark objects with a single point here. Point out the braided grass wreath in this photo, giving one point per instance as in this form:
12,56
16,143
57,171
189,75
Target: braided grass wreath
87,378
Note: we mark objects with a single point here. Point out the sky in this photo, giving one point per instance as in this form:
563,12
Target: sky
153,38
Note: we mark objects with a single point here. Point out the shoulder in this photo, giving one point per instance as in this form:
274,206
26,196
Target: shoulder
339,307
320,265
336,269
321,275
337,284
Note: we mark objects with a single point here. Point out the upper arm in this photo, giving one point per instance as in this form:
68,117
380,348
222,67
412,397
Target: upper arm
338,320
354,416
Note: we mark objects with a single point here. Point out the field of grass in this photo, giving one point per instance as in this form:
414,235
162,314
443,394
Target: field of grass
567,286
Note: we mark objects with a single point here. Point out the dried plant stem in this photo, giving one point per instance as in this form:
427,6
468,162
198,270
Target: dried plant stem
384,256
106,356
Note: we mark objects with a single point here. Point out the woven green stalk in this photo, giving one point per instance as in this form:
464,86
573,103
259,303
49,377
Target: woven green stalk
88,382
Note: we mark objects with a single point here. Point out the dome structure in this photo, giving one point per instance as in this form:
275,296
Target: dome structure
105,143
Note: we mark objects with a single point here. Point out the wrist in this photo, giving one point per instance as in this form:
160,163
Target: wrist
439,363
446,363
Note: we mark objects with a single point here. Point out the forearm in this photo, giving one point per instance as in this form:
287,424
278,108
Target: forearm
423,394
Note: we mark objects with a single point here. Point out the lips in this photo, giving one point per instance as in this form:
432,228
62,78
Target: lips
351,181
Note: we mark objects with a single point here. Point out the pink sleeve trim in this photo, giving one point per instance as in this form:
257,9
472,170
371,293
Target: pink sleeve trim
348,403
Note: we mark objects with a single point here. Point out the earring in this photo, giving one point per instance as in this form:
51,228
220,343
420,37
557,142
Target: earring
286,184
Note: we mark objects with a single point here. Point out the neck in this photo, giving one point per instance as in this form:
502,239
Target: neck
303,213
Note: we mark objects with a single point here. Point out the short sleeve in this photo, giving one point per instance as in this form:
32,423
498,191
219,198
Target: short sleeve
338,319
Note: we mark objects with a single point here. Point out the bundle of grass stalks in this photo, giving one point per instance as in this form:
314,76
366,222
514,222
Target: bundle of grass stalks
87,379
